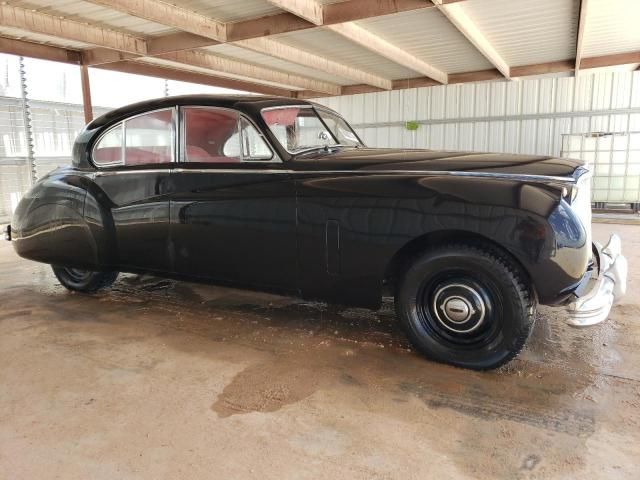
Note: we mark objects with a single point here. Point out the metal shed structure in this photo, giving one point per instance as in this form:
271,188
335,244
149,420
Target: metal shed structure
312,48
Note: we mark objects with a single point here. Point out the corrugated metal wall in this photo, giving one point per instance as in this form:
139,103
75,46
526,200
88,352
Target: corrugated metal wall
526,116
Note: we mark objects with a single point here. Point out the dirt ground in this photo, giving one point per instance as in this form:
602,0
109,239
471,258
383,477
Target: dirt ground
164,379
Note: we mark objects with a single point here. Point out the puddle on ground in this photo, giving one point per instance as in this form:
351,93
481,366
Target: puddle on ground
294,349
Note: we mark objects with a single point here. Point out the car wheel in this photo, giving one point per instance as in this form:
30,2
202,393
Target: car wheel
466,306
80,280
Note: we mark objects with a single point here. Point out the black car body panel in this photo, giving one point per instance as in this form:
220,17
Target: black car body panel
330,224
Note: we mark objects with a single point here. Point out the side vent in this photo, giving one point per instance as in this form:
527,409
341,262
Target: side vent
333,247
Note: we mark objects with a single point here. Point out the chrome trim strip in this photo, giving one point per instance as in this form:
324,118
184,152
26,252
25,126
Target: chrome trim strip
501,176
107,173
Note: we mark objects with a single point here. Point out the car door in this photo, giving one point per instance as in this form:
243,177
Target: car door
135,159
233,206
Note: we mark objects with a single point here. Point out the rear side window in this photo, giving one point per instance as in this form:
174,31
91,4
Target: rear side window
109,149
146,139
149,138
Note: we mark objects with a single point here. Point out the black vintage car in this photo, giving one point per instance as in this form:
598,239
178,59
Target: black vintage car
281,195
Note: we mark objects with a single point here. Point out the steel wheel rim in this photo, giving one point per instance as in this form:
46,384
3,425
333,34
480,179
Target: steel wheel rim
78,274
459,308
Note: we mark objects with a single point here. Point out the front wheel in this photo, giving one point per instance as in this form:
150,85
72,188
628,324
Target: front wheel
87,281
466,306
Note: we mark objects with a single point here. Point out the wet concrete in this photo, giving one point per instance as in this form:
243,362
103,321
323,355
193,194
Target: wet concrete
165,379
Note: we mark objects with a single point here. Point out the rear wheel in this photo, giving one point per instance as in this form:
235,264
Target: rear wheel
466,306
80,280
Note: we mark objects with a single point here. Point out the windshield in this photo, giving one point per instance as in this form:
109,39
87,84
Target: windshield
300,128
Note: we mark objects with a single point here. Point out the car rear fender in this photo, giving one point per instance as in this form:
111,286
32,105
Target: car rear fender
49,225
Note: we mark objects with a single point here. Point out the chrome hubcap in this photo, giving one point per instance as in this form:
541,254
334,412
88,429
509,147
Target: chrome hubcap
459,308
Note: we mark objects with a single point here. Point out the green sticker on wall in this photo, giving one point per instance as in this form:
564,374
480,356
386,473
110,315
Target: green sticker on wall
411,125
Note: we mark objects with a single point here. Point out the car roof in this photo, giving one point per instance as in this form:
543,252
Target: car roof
225,101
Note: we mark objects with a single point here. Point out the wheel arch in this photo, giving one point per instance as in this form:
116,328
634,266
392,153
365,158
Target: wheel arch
403,256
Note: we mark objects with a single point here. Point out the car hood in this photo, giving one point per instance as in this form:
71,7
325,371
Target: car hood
435,161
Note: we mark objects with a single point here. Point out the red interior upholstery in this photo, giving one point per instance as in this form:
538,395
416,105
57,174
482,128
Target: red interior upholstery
207,130
281,116
144,155
108,154
135,156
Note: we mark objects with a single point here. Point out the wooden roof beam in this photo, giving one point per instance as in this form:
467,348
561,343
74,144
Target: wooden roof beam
44,24
456,15
372,42
285,52
257,73
582,23
332,13
310,10
170,15
138,68
38,50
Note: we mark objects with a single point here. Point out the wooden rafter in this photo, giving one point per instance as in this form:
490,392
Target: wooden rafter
301,57
227,66
137,67
332,13
461,21
171,15
310,10
42,23
36,50
582,23
374,43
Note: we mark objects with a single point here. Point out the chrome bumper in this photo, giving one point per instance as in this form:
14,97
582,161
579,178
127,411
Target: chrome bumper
607,287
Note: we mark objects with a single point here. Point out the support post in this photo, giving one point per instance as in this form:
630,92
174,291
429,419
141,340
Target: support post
86,93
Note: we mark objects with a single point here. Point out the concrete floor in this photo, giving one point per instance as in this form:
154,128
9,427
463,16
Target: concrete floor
162,379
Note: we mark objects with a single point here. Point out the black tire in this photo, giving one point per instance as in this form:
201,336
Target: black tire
466,306
85,281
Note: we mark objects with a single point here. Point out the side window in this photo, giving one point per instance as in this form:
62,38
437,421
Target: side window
143,140
248,144
211,135
108,150
148,138
254,146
